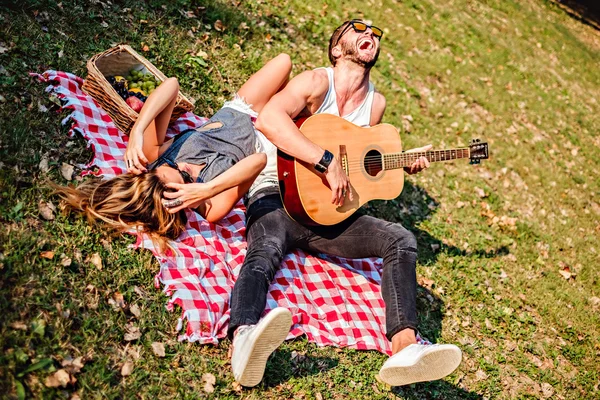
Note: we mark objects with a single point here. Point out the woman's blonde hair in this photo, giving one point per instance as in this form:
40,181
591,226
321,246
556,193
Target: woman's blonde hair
126,202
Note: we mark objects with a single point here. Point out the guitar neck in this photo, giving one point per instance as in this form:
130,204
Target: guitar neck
401,160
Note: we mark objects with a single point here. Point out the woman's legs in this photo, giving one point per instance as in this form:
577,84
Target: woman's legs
267,81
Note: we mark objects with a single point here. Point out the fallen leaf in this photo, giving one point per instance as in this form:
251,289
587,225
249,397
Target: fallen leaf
18,325
66,261
480,192
46,210
43,165
219,27
480,375
73,366
60,54
120,300
209,382
565,271
135,310
96,260
59,378
133,333
159,350
145,48
66,170
595,301
547,390
47,254
268,38
127,368
237,387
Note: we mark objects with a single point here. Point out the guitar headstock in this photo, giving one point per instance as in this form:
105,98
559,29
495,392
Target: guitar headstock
478,151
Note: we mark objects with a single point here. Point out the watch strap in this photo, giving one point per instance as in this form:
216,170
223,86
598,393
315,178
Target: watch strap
323,164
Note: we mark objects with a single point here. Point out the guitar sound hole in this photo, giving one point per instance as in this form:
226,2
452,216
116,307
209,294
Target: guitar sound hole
372,162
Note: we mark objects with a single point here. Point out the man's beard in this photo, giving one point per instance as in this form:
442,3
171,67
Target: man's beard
351,53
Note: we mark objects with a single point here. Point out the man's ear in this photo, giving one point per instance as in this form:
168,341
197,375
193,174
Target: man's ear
336,52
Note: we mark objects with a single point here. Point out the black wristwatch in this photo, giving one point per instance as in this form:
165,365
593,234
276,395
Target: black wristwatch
322,165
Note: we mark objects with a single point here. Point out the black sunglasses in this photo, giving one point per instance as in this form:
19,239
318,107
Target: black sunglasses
187,178
359,26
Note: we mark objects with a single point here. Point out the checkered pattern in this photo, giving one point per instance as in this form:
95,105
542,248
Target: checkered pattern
334,301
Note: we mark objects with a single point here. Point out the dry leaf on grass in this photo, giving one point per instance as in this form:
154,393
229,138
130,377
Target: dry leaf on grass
547,390
565,271
47,254
135,310
67,170
59,378
158,349
18,325
480,192
219,27
96,260
480,375
73,366
127,368
133,333
237,387
209,382
43,165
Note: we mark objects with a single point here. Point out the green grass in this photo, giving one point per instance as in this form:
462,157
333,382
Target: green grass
521,74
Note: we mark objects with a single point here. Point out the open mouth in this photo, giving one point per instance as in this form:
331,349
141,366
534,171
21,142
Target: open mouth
365,45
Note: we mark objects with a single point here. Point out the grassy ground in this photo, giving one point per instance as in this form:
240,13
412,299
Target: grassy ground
509,254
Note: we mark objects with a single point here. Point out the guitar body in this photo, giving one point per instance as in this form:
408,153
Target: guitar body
306,194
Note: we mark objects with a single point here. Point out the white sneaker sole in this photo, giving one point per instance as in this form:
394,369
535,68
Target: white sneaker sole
434,365
270,333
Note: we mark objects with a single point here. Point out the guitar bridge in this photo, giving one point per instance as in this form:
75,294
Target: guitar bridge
344,159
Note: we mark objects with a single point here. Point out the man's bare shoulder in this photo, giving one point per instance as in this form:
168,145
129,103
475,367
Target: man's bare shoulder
315,79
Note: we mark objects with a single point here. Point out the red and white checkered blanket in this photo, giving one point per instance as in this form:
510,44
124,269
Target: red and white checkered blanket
334,301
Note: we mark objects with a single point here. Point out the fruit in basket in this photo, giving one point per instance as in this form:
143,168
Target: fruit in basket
135,103
136,83
137,90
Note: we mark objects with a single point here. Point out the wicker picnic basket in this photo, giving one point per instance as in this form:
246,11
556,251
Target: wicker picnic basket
120,60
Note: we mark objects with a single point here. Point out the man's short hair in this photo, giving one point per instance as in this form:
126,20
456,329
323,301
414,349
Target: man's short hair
334,38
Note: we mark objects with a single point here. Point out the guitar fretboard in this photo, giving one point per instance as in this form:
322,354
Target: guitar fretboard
401,160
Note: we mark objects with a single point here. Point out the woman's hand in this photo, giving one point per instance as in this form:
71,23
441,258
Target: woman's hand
187,195
134,155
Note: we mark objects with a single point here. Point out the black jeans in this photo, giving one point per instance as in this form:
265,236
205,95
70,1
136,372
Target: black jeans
271,233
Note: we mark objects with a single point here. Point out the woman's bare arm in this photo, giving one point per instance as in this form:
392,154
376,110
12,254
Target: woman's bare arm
147,137
216,198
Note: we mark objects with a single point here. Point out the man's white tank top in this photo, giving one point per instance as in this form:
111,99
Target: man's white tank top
361,116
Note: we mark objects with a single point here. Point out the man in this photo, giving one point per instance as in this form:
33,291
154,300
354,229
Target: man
342,90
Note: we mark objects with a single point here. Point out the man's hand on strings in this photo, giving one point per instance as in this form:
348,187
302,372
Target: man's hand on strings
338,182
420,163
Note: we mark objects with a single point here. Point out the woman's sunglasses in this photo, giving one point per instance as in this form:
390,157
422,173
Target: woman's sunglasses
360,27
187,178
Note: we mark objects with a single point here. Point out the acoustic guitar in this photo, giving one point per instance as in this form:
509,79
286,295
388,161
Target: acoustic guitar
372,158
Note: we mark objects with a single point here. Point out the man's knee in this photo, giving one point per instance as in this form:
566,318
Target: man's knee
264,257
402,238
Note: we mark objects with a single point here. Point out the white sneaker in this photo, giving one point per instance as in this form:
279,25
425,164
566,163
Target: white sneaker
420,363
253,344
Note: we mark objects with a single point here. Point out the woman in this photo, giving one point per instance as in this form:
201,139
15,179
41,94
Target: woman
209,168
